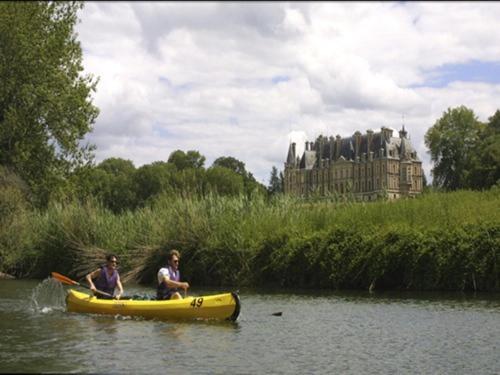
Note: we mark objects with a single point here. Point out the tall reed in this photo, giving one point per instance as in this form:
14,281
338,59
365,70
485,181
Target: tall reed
436,241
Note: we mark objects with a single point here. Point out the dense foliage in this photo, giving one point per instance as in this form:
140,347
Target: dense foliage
45,101
119,186
275,182
465,152
438,241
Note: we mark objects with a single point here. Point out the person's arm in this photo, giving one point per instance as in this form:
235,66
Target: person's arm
120,287
175,284
91,276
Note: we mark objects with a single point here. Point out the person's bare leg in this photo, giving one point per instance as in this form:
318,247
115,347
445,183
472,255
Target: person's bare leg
176,295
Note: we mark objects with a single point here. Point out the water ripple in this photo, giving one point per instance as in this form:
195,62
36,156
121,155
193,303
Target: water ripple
348,333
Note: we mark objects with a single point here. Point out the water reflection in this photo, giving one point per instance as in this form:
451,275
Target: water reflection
318,332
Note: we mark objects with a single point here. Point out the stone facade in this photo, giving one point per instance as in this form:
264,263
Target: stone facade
366,166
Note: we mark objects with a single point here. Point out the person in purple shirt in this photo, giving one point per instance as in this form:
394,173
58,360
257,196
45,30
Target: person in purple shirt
169,279
106,279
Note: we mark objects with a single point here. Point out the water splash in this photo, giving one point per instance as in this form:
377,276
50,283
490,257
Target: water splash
48,296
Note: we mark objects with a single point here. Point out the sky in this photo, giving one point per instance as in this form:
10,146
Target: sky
245,79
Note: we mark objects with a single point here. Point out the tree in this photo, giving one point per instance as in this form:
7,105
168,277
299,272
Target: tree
13,194
190,159
253,187
114,184
250,185
486,158
275,182
452,141
45,100
153,179
117,166
231,163
189,182
224,181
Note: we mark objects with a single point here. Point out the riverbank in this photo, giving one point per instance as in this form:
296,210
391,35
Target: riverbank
440,241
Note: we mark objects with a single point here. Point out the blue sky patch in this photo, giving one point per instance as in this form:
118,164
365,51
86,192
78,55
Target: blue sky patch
233,120
162,131
165,80
278,79
181,87
474,71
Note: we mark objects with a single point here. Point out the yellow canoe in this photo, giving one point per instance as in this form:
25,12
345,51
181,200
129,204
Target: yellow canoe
224,306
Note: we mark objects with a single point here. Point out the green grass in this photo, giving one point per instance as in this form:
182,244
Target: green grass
437,241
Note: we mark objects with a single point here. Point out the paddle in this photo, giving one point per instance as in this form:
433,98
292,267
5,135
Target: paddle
67,280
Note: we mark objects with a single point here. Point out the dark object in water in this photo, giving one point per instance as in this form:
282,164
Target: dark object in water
277,313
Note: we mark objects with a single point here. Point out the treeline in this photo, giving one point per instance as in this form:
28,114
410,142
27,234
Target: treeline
119,186
464,150
439,241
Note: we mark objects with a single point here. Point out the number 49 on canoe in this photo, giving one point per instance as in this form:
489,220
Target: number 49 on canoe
197,302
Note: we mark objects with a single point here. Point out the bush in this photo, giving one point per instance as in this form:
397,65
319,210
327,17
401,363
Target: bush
447,241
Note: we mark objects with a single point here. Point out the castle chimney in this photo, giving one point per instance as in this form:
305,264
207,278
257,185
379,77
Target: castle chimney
387,133
357,142
338,140
369,138
330,142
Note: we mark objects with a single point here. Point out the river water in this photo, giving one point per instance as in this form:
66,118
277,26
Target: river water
318,332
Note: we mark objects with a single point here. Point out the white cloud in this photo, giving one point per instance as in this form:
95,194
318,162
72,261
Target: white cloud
246,79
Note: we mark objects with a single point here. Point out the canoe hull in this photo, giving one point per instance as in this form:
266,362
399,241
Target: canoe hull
224,306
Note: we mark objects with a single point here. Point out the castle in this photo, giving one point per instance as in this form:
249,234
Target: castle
366,166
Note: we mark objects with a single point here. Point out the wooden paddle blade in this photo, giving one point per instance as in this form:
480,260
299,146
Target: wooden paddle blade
63,279
67,280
